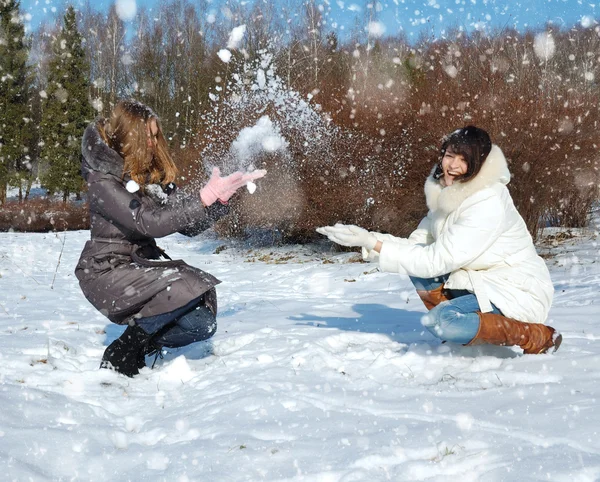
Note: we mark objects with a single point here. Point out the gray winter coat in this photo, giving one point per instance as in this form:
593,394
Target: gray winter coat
119,269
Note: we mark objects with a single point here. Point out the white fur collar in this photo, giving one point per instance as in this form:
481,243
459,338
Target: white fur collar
447,199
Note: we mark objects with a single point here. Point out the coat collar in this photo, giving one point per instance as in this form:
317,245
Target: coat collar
447,199
97,155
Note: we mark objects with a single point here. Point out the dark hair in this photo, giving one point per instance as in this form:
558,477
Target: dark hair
471,142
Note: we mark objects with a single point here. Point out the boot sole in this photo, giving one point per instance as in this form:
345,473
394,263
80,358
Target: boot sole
557,341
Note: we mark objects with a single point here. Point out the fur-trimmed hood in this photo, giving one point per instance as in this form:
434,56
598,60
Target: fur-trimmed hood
447,199
97,155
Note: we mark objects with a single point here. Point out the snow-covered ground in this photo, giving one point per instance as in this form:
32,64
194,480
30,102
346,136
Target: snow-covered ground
320,371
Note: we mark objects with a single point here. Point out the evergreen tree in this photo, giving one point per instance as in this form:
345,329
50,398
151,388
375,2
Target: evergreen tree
66,111
16,128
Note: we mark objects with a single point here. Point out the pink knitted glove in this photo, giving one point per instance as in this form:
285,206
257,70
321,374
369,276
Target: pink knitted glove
222,188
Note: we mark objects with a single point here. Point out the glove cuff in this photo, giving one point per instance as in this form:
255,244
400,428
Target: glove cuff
370,242
208,196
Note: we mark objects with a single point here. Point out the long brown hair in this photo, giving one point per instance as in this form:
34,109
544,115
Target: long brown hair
126,131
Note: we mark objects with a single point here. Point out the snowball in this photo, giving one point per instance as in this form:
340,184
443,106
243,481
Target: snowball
251,187
464,421
119,440
252,141
126,9
544,46
127,59
176,372
97,104
587,21
376,29
451,70
132,186
224,55
236,36
261,78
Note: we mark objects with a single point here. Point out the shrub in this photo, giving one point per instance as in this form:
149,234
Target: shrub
43,215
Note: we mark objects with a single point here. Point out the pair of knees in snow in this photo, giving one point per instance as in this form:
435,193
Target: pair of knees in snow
457,319
190,323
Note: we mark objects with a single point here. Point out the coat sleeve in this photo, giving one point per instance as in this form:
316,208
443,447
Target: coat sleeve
480,221
109,198
421,235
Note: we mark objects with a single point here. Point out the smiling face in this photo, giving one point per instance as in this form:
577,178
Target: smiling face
453,165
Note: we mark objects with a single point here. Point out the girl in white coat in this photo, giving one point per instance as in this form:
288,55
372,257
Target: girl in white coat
471,258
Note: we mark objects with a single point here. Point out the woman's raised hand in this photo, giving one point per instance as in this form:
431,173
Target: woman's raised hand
222,188
349,235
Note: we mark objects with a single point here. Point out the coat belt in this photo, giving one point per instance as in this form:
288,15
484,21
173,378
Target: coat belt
483,299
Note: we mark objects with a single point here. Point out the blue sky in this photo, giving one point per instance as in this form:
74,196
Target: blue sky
408,16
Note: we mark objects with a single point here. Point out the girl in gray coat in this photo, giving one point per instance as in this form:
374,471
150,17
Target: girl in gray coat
132,200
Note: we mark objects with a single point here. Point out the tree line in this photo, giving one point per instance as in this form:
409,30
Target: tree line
384,105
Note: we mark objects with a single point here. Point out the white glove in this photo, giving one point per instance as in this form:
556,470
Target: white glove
349,235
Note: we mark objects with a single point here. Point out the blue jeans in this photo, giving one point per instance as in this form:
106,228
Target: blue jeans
188,324
455,320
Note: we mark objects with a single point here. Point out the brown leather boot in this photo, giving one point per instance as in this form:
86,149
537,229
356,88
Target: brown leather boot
534,338
433,298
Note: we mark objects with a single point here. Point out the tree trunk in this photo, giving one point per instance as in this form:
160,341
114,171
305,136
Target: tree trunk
28,188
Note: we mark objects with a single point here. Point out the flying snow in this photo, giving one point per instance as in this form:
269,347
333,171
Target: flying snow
544,46
126,9
224,55
376,29
97,104
263,137
261,79
587,21
451,70
236,36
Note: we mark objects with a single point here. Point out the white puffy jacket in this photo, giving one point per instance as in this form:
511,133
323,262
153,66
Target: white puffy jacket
474,232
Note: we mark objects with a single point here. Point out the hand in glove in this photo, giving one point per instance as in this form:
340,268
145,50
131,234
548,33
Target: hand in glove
349,235
222,188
